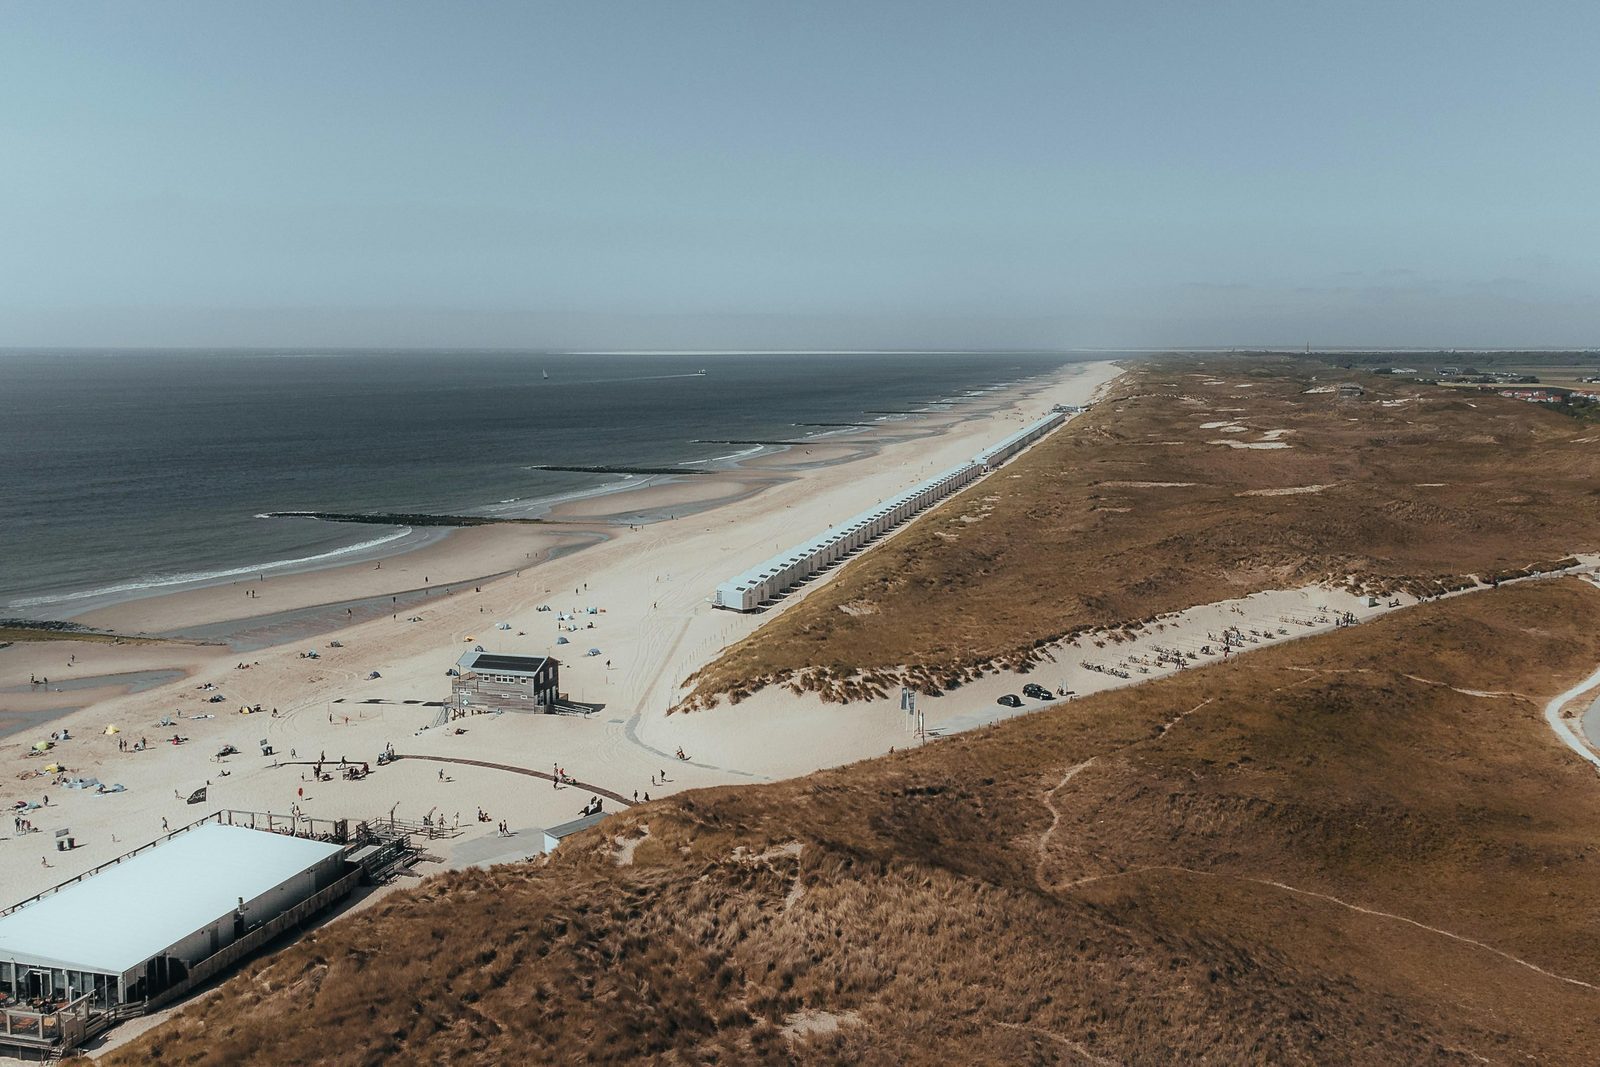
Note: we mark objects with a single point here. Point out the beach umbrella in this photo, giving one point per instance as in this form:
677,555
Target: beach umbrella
43,746
113,729
53,768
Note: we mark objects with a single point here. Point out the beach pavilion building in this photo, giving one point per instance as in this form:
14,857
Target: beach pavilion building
148,927
494,681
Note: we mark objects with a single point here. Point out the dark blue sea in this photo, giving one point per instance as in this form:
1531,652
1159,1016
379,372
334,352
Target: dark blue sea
132,472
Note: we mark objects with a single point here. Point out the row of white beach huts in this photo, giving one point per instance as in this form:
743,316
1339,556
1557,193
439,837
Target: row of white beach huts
782,572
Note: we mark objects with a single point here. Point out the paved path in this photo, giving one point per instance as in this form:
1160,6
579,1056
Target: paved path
1552,715
618,797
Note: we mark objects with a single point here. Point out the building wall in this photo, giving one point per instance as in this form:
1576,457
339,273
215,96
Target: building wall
485,690
274,902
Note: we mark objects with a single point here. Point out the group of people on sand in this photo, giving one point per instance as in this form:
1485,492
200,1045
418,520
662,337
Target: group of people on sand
71,661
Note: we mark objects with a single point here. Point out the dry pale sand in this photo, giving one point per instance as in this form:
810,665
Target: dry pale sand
1250,444
1288,490
657,626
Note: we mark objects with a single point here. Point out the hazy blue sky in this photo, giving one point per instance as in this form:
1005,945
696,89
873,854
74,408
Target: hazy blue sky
659,174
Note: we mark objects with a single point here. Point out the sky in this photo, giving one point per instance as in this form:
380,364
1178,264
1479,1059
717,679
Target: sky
777,175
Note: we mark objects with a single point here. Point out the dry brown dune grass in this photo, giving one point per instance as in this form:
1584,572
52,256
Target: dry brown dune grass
1092,535
1164,874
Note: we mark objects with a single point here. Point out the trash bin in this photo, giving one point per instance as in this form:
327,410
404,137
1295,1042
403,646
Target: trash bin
66,844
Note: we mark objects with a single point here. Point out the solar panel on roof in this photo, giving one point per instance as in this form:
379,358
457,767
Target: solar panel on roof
489,661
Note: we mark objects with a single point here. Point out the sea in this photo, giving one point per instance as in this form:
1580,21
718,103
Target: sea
132,473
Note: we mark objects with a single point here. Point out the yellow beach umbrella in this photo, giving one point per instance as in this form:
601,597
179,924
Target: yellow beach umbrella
53,768
113,729
42,746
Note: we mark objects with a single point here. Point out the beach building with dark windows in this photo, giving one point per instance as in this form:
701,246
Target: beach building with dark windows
143,930
493,681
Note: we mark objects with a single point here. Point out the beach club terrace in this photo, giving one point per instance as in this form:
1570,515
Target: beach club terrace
782,572
495,681
144,930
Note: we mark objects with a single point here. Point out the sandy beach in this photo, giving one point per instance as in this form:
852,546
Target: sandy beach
652,583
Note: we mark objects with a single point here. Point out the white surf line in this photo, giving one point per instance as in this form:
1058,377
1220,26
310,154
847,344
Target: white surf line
1552,715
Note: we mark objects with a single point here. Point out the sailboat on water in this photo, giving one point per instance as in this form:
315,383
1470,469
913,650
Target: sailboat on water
546,375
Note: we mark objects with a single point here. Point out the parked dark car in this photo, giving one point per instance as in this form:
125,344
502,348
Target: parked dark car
1010,700
1037,692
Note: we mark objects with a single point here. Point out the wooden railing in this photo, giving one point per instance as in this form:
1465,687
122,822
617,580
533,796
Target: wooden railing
58,1028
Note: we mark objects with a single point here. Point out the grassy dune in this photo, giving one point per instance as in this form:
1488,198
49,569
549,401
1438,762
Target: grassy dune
1324,852
1134,510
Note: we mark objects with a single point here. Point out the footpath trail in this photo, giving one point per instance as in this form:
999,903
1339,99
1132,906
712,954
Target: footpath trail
1552,715
601,790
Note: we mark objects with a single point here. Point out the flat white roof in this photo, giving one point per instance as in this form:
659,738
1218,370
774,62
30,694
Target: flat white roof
113,921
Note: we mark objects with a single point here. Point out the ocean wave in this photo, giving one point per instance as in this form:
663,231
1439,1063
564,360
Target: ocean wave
162,581
723,459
